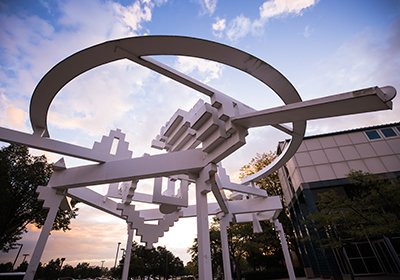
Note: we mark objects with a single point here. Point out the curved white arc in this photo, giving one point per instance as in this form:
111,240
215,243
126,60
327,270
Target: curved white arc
139,47
298,127
97,55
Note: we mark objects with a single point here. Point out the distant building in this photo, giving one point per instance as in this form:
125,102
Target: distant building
323,162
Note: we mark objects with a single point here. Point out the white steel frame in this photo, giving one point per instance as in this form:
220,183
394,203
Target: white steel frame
195,142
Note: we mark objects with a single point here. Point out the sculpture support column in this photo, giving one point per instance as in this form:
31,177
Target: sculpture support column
52,201
224,223
127,260
203,234
285,249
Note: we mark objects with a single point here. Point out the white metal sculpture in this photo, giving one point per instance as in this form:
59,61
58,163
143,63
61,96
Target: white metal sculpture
195,142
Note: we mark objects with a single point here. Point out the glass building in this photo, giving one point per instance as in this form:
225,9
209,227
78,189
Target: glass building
322,162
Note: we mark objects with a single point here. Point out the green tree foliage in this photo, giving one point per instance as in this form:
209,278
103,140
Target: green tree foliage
273,186
271,183
215,248
55,269
266,248
248,250
155,262
191,268
369,208
20,175
6,267
84,270
22,267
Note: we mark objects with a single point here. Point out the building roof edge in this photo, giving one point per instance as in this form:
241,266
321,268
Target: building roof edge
352,130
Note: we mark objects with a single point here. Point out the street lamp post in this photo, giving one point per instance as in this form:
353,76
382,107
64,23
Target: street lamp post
116,256
19,251
25,255
62,262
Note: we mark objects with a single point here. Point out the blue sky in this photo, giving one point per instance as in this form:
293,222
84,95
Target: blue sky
323,47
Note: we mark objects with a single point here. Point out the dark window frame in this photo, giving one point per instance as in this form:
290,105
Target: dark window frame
388,132
370,136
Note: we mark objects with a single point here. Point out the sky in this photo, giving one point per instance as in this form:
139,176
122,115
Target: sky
323,47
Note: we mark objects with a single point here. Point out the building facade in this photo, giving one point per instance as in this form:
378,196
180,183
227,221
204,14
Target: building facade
323,162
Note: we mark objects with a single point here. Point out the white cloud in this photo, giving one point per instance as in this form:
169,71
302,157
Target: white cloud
16,117
274,8
99,100
238,28
219,26
30,46
241,25
13,115
207,70
208,6
133,16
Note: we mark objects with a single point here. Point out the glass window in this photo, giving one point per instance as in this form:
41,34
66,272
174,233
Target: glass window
373,265
396,244
373,134
388,132
358,266
365,250
351,250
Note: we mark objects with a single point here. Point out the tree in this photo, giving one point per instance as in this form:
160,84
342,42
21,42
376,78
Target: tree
266,248
23,266
153,262
20,175
167,264
249,250
6,267
191,268
84,270
52,269
67,270
215,247
271,183
369,207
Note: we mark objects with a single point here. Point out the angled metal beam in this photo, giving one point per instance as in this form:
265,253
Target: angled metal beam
237,207
217,190
245,189
178,76
167,71
174,163
354,102
96,200
50,145
258,204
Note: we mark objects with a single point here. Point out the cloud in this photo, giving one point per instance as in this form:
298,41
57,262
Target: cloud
241,25
14,117
206,70
238,28
133,16
275,8
31,45
361,62
218,27
208,6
